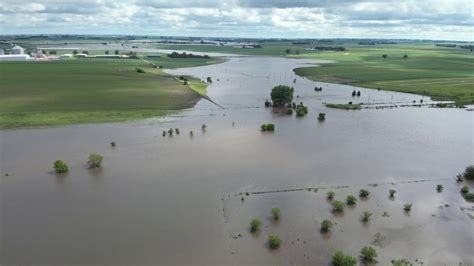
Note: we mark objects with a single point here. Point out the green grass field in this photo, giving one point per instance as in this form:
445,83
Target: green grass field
88,90
442,73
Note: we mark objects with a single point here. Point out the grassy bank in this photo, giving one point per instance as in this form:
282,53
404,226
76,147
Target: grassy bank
88,90
344,106
442,73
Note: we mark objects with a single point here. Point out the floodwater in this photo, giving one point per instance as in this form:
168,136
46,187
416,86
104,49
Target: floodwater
177,200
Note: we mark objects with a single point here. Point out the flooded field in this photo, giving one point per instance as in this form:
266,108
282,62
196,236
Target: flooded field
178,200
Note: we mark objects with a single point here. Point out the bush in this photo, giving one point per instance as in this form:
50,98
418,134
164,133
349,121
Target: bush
364,193
268,104
337,206
255,225
439,187
274,241
351,200
341,259
464,190
366,216
281,95
469,197
139,70
267,127
330,195
326,225
401,262
289,111
276,213
60,167
392,192
170,132
469,172
407,207
203,127
95,160
368,254
301,110
322,116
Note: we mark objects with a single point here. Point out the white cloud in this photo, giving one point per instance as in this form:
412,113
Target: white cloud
442,19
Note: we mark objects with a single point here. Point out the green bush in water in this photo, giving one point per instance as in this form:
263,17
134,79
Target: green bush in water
60,167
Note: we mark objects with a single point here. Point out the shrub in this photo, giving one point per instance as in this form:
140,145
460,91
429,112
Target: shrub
276,213
330,195
337,206
407,207
177,131
364,193
469,172
139,70
401,262
326,225
469,197
368,254
281,95
366,216
289,111
459,178
255,225
164,133
322,116
351,200
392,192
112,144
170,131
60,167
268,104
267,127
191,133
203,127
274,241
439,187
95,160
464,190
341,259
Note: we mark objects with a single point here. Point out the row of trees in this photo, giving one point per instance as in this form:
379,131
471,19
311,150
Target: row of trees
94,161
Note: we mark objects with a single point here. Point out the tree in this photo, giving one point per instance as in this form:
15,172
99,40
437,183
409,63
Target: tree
351,200
209,79
287,51
107,52
341,259
405,56
255,225
464,190
392,193
281,95
363,193
407,207
276,213
384,56
60,167
366,216
322,116
469,173
274,241
337,206
354,93
368,254
330,195
75,52
401,262
439,187
95,160
117,52
326,225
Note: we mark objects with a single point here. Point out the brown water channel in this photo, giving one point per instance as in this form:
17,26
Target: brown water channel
175,200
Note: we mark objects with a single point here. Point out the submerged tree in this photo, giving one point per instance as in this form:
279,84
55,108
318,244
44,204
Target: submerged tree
368,254
365,217
95,160
337,206
363,193
407,207
276,213
281,95
392,193
60,167
341,259
326,225
330,195
255,225
322,116
274,241
351,200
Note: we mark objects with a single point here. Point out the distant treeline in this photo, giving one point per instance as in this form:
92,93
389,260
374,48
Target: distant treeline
329,48
376,42
185,55
451,45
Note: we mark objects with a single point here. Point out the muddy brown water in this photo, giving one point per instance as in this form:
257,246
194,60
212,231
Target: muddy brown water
175,200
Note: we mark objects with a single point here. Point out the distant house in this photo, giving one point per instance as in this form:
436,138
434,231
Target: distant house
18,50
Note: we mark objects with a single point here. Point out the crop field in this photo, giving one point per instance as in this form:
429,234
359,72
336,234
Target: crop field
442,73
87,90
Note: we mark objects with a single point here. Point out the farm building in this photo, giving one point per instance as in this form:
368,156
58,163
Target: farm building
15,57
18,50
1,52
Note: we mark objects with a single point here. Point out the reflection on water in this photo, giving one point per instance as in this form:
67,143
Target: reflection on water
175,200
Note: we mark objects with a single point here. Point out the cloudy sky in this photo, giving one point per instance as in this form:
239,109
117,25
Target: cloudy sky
423,19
